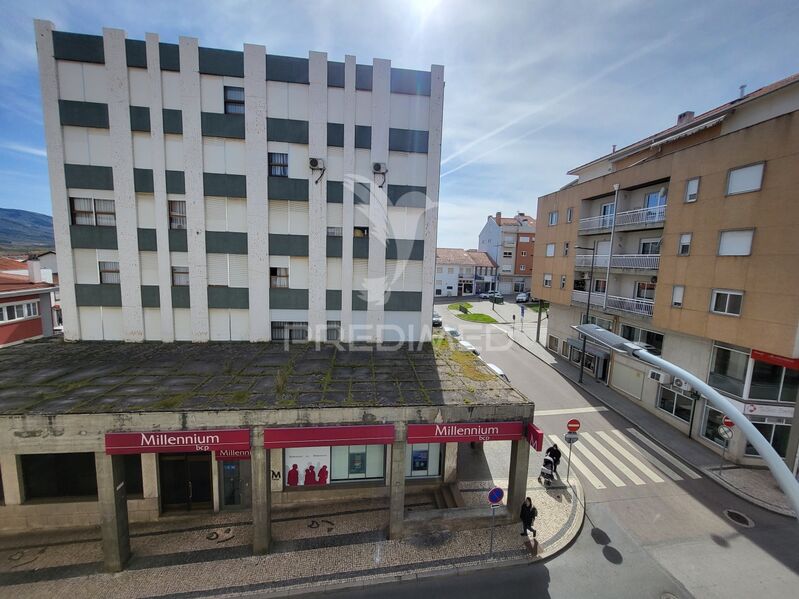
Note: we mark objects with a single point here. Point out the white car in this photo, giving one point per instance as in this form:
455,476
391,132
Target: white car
452,331
466,346
498,371
523,297
485,295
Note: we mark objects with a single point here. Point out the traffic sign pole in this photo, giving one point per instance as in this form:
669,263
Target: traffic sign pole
569,465
495,496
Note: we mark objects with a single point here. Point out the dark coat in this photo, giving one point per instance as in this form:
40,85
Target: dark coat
528,514
554,453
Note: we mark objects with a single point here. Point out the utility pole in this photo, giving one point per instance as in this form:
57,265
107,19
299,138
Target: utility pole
538,329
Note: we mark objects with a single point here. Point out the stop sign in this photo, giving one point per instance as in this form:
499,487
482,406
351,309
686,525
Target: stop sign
573,425
726,421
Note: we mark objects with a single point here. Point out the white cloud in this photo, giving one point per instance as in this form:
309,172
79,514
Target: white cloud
23,149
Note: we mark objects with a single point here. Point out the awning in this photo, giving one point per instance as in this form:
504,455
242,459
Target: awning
590,348
465,432
329,436
177,441
687,132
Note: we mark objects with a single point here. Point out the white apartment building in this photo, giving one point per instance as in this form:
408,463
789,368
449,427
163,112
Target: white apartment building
202,194
510,242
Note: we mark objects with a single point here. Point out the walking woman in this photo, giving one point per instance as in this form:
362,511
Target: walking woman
528,516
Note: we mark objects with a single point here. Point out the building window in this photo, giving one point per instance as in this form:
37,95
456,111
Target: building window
652,341
278,277
134,486
684,248
19,311
649,247
726,302
692,189
676,404
506,268
712,422
361,232
736,243
601,322
524,239
357,462
772,382
507,254
93,212
439,270
522,267
438,291
59,475
553,218
562,281
109,272
564,349
550,249
775,430
450,270
177,214
333,330
180,276
745,179
565,248
335,231
600,285
677,293
547,280
234,100
728,369
524,254
278,164
569,214
289,331
645,291
423,459
553,343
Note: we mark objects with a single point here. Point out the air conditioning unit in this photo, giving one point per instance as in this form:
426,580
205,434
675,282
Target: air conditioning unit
653,279
682,384
379,168
661,377
316,164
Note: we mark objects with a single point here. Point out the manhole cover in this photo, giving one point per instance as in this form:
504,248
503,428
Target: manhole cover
739,518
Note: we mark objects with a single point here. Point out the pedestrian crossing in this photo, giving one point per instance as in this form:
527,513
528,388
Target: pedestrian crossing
618,458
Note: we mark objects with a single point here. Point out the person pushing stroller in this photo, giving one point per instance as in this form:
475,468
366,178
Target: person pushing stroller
554,453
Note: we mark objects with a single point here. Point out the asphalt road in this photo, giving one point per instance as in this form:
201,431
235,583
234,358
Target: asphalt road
647,533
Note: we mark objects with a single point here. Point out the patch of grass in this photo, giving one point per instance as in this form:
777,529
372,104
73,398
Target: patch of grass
534,306
469,366
484,318
170,403
457,306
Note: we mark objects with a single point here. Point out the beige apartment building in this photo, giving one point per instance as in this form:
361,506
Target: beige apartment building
693,232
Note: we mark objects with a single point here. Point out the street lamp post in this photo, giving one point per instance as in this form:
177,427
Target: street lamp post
588,303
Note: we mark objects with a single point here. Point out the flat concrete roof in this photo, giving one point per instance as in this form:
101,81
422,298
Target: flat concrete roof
55,377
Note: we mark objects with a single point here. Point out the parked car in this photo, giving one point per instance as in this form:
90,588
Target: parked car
452,331
485,295
523,297
436,319
466,346
498,371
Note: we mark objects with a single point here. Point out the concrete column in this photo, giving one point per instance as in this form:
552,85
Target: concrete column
261,494
215,494
13,487
397,505
450,462
348,217
149,475
112,500
517,475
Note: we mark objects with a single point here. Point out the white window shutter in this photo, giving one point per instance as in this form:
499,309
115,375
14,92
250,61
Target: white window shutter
237,215
335,215
148,262
238,270
394,281
735,243
298,218
413,275
215,214
278,217
333,272
360,270
217,269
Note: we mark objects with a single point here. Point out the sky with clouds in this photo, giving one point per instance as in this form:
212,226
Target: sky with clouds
533,87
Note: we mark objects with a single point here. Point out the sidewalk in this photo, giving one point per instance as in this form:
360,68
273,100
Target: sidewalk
755,485
316,548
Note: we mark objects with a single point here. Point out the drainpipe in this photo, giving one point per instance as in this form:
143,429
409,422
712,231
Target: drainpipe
610,250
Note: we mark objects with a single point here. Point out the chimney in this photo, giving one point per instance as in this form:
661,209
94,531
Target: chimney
741,90
686,116
613,150
34,270
498,216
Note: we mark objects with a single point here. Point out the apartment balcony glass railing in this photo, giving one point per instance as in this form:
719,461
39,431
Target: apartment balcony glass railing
641,216
614,302
634,261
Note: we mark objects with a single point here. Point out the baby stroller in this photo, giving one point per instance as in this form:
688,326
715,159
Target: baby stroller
547,474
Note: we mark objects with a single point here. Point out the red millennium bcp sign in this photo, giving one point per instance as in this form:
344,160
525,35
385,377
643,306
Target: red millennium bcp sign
178,441
465,432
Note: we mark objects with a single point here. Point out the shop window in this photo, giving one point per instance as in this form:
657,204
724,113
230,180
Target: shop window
552,343
676,404
773,382
289,331
278,164
358,462
775,430
234,100
728,369
59,475
306,466
712,422
652,341
423,459
133,476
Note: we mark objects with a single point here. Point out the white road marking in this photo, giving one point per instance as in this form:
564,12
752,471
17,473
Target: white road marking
578,464
649,457
570,411
637,480
648,472
604,469
649,443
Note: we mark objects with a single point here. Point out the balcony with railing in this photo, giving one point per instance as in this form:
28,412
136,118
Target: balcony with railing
640,307
642,218
581,297
622,261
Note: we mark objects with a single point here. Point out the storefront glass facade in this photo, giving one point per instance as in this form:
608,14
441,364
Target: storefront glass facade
676,404
319,466
728,369
423,459
775,430
710,427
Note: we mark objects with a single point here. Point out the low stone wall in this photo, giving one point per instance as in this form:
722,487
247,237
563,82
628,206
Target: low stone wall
67,514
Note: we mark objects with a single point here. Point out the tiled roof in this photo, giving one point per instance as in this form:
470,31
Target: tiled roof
463,257
688,124
20,283
9,264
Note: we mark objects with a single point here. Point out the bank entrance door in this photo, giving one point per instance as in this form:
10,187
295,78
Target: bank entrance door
185,481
